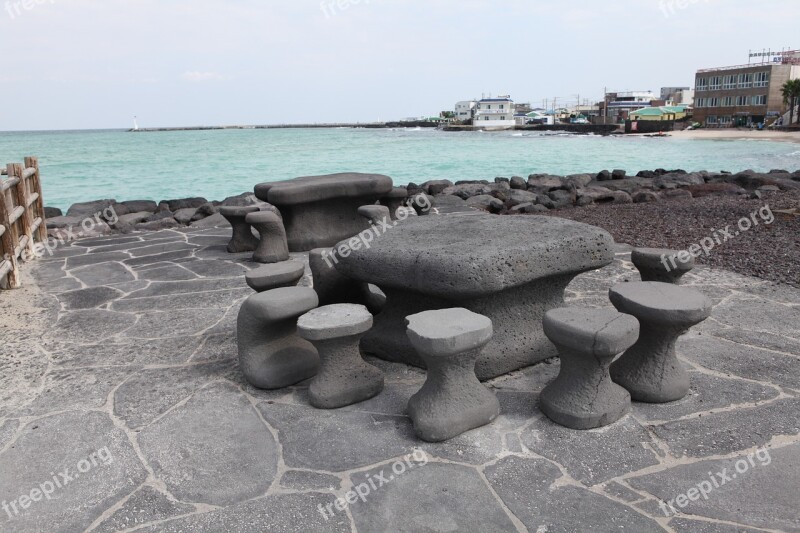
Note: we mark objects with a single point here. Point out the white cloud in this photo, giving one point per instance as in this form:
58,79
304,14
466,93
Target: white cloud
196,76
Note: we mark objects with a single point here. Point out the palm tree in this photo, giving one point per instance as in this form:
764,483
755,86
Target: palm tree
791,95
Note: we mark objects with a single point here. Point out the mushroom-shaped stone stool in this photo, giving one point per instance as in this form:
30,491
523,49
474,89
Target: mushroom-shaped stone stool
452,400
376,214
273,247
344,377
656,264
275,275
583,395
243,239
650,370
271,355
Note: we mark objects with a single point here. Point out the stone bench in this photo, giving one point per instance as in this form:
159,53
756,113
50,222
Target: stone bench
271,355
452,400
344,377
275,276
394,200
242,239
375,214
510,269
272,247
656,264
650,370
319,211
583,395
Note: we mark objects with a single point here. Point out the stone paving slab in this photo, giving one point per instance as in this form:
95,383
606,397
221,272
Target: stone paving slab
131,348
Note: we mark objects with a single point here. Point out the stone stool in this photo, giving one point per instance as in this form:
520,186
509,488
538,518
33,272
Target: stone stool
271,355
376,214
335,288
650,370
344,377
452,400
243,239
272,248
421,203
583,395
656,264
394,200
276,275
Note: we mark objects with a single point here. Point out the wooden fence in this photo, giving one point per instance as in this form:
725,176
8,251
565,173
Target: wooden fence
22,220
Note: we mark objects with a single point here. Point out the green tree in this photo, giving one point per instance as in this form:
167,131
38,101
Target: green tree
791,95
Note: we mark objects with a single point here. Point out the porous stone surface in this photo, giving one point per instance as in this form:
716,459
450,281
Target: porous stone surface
375,214
242,239
271,354
275,276
344,377
335,288
583,395
272,247
319,211
657,264
510,270
650,370
521,471
452,400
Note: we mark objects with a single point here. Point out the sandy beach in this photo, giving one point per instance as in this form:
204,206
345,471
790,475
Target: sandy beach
737,134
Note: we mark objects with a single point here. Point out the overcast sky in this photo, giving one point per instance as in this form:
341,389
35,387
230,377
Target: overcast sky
77,64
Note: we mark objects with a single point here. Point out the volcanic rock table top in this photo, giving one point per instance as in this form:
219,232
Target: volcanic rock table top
309,189
459,256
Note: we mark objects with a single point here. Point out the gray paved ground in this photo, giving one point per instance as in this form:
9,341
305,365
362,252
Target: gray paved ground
122,407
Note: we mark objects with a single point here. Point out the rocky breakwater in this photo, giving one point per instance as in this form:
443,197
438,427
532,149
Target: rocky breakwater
544,192
101,217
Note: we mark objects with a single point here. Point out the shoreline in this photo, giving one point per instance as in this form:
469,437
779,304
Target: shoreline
733,135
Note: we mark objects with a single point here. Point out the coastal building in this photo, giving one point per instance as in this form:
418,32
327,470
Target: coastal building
495,113
465,110
619,106
659,113
744,95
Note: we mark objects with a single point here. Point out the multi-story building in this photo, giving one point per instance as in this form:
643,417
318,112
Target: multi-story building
465,110
494,113
618,106
677,96
744,95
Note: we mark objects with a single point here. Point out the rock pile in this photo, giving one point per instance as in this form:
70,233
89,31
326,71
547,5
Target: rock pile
542,192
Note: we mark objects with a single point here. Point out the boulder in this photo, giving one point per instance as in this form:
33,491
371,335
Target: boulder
156,225
472,182
185,203
469,190
544,183
52,212
562,198
184,216
516,197
133,218
486,202
673,180
644,196
435,187
601,195
213,221
518,183
138,206
578,180
677,194
89,209
63,222
751,181
528,208
617,174
708,189
159,215
625,184
205,210
603,175
448,200
646,174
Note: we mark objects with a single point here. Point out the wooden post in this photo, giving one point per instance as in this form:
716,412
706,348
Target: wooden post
25,221
36,180
9,242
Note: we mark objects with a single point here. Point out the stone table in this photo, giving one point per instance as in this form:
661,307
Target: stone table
319,211
510,269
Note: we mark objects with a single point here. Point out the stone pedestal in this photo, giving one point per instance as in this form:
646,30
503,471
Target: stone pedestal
452,400
275,276
583,395
272,247
344,377
271,355
650,370
242,239
656,264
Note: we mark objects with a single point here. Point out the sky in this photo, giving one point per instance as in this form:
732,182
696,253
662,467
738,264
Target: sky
83,64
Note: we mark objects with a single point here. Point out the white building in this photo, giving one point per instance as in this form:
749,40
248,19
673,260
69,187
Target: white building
465,110
494,113
620,105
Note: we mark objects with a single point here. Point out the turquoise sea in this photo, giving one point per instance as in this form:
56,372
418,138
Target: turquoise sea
87,165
